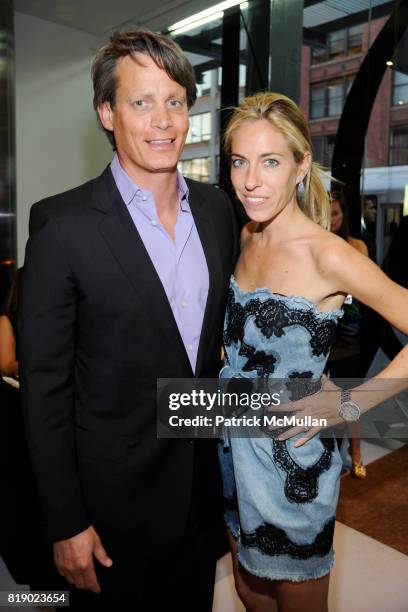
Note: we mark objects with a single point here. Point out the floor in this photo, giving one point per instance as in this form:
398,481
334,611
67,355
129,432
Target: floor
368,576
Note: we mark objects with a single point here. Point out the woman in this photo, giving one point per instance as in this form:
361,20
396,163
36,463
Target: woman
290,282
345,359
340,224
8,330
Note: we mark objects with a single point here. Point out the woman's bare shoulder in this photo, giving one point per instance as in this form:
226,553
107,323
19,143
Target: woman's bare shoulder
329,250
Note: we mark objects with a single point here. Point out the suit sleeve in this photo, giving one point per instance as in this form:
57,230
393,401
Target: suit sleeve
47,328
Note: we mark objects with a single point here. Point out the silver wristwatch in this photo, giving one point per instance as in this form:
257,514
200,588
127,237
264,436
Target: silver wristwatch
349,411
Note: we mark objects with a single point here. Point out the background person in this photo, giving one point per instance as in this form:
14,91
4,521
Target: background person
9,329
346,355
369,232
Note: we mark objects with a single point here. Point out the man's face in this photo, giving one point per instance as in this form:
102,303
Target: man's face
149,120
370,211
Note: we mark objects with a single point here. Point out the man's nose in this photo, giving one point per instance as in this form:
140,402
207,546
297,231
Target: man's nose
161,117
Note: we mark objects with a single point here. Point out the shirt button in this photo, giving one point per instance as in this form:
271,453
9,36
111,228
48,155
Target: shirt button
190,347
184,304
153,222
144,198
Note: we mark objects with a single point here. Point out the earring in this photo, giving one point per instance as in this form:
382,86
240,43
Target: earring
300,188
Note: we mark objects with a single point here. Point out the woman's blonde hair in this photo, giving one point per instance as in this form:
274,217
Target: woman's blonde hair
286,117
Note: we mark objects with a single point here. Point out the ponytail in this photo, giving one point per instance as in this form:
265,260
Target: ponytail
316,201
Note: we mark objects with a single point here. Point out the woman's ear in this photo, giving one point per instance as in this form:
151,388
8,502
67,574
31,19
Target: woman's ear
304,166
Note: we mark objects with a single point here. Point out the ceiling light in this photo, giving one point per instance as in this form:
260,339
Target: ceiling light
210,14
389,63
198,23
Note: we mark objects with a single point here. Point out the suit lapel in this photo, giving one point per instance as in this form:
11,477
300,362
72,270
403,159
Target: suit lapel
206,230
126,245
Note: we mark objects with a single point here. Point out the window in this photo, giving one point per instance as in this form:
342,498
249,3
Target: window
204,83
399,88
317,101
339,44
335,44
197,168
323,149
399,146
355,40
327,99
200,128
334,91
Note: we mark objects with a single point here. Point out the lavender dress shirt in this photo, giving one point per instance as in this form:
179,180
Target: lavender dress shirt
180,264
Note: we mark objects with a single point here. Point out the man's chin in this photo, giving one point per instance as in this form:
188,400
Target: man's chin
164,169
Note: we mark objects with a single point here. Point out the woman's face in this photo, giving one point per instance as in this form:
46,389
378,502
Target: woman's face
336,216
264,172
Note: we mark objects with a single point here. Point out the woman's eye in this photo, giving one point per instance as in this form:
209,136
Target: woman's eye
271,163
238,163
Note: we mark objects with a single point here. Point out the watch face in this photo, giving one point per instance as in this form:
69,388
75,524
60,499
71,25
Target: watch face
349,411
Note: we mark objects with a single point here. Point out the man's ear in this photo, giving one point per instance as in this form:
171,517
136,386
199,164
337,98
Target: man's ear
106,115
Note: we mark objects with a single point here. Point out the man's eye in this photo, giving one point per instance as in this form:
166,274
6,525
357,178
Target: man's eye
238,163
175,103
271,163
139,103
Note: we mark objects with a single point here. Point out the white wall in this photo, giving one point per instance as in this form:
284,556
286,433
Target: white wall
58,143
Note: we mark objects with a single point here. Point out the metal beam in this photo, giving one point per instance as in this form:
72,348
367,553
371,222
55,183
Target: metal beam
230,82
285,45
256,22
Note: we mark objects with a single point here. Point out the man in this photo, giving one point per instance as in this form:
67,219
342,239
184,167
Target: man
126,281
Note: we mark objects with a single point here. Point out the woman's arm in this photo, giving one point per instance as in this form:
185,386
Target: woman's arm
359,276
8,361
348,271
351,272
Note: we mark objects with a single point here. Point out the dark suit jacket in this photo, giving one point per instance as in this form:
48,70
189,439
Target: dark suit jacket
96,332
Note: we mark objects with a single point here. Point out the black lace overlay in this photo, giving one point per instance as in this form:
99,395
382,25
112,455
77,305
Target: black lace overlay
235,320
263,363
271,316
301,385
246,350
272,540
302,484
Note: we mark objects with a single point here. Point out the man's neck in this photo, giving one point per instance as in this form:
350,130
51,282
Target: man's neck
163,185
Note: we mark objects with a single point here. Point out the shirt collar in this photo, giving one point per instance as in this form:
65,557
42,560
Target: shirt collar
128,189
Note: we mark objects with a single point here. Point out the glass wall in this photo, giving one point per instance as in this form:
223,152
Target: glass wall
338,40
7,149
337,48
203,46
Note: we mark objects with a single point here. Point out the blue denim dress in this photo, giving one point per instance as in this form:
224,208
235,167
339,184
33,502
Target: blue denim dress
280,501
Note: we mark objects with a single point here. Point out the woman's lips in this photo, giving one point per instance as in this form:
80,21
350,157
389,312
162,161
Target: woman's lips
253,200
